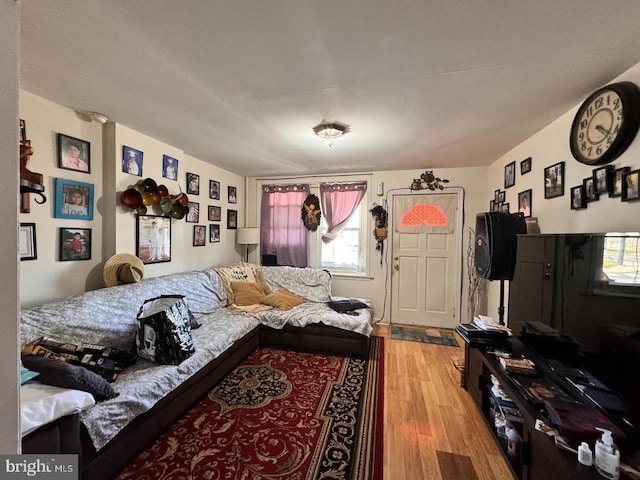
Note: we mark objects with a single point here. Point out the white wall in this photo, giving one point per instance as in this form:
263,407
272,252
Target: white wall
9,265
548,147
113,226
47,277
378,283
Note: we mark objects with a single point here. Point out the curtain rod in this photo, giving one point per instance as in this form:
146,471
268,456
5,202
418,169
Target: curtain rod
314,176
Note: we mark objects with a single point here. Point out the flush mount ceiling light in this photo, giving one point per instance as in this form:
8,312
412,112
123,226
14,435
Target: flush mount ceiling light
330,131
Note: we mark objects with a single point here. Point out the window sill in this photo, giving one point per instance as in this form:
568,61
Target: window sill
351,276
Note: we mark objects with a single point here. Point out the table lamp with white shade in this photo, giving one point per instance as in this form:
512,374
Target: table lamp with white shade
248,236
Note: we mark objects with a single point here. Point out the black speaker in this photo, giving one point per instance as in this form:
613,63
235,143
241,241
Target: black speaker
495,250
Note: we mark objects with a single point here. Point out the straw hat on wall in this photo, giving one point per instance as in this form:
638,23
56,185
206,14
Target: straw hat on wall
122,268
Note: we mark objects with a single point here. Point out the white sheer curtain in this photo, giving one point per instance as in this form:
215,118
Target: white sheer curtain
339,201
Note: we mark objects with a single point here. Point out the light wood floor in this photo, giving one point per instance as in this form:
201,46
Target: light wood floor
432,427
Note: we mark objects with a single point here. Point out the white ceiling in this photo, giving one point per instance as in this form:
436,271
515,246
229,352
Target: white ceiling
241,83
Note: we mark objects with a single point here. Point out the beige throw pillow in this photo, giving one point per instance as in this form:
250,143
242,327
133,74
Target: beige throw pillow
246,293
283,299
241,272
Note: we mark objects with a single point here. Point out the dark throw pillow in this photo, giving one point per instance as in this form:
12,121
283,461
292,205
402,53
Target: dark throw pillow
65,375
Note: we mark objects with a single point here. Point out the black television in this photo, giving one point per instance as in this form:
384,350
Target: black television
587,287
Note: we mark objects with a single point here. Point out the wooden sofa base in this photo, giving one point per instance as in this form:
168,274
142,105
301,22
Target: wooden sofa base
67,435
315,337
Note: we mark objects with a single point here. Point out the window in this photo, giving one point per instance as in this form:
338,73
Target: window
621,259
346,254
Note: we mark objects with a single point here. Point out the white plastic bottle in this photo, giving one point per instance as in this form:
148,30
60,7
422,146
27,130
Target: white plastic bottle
607,456
585,457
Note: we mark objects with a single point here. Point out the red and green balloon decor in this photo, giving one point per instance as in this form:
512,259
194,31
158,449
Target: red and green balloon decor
147,194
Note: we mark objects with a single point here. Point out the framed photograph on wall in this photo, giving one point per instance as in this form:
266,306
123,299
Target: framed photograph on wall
616,181
153,238
169,167
214,233
630,182
215,213
233,195
131,161
510,174
504,208
590,194
193,215
73,200
75,244
193,184
577,198
496,195
232,219
525,166
602,179
199,235
28,248
554,180
214,190
73,153
492,205
502,196
524,203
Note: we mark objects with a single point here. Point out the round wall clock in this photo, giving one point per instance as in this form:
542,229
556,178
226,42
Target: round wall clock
606,123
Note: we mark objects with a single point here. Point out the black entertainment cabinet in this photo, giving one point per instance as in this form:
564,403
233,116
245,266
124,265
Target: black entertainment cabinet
534,456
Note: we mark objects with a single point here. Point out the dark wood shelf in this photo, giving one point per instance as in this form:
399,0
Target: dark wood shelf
536,456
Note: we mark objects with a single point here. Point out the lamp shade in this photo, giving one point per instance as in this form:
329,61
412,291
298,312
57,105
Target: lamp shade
248,236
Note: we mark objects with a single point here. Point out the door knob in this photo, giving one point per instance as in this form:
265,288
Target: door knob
395,258
396,266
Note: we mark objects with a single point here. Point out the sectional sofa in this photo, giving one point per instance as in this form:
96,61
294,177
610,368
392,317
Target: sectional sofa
108,434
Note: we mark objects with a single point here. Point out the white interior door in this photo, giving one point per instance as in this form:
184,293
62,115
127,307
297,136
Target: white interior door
425,285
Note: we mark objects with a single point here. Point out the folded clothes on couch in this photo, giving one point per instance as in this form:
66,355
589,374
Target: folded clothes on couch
346,305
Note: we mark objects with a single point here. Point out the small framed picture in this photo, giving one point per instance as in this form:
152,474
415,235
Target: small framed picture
153,238
525,166
630,181
502,197
28,250
169,167
616,181
214,190
74,154
214,233
232,219
554,180
510,175
496,195
232,195
590,194
492,205
602,179
215,213
504,208
23,131
75,244
199,235
524,203
131,161
193,215
73,200
193,184
577,198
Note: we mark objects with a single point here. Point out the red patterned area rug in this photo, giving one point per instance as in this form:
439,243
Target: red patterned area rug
279,415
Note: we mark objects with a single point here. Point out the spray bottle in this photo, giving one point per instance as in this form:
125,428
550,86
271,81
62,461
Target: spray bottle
607,456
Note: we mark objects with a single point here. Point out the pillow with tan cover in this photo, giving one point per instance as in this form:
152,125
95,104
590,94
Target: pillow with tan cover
241,272
283,299
246,293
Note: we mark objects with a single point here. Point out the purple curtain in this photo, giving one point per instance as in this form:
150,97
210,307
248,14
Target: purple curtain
282,232
339,201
